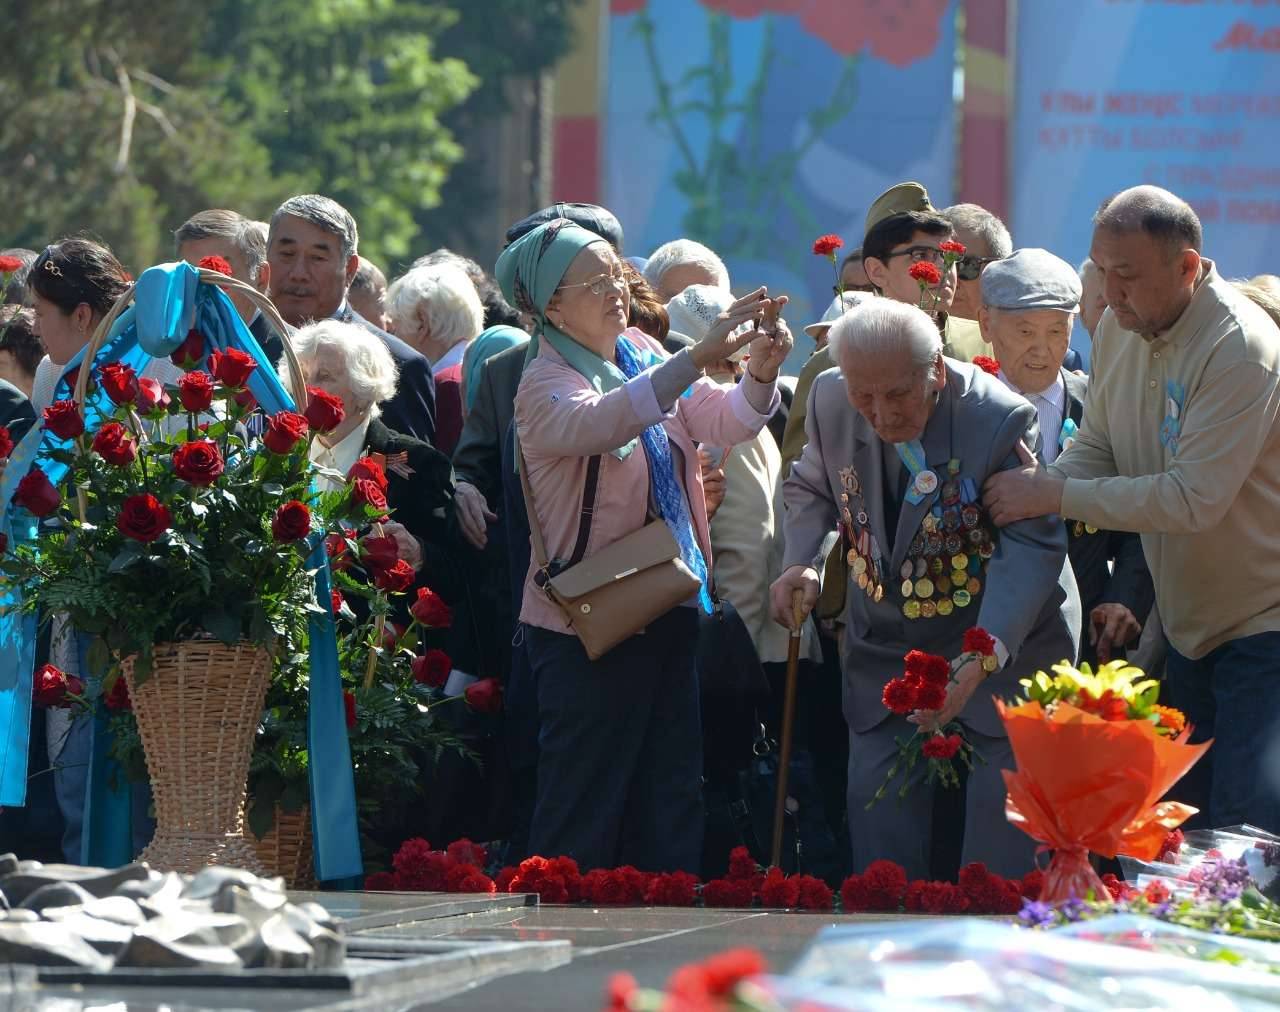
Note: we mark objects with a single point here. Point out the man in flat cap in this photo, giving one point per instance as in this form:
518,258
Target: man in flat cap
1029,301
900,439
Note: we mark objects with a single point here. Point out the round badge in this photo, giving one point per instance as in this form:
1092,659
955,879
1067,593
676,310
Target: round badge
922,567
859,565
951,519
1090,529
929,524
862,518
908,588
924,588
863,580
954,544
879,594
870,587
926,481
934,544
908,567
928,609
974,585
959,561
945,607
911,609
935,566
976,537
950,492
969,516
943,583
852,557
987,550
962,598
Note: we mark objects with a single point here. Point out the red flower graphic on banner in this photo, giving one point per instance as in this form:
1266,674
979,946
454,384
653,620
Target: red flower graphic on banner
626,6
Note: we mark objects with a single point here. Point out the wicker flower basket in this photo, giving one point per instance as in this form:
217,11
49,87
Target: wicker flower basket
286,849
197,715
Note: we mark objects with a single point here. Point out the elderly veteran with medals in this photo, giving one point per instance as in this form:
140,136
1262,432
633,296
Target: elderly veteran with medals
1029,302
900,440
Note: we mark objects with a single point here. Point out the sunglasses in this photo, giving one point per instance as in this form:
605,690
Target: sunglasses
969,268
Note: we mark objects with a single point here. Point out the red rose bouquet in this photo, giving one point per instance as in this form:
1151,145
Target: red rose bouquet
922,688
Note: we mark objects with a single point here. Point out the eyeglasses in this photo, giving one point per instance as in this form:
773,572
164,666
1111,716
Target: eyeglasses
598,286
835,289
969,268
918,254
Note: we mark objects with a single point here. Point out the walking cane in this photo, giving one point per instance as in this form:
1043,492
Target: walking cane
788,718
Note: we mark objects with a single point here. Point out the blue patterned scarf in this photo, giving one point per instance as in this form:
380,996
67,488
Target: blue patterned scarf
662,477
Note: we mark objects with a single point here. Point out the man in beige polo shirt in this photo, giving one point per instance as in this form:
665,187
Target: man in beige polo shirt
1181,442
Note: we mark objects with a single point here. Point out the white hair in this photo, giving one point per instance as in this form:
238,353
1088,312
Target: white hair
680,252
1087,266
982,224
452,304
884,326
370,369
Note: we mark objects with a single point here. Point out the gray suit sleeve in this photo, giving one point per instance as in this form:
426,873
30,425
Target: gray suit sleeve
1029,556
810,512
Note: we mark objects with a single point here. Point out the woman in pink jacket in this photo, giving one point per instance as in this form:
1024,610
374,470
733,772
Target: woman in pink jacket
620,752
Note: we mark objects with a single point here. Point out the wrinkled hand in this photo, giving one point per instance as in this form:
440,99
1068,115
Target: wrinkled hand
408,545
1022,492
712,483
474,515
721,340
959,692
802,578
1112,626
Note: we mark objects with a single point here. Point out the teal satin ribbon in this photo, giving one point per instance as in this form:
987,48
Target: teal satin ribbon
170,301
912,456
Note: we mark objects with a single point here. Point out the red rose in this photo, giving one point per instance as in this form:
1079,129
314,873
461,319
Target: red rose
366,493
151,395
335,546
118,697
432,668
6,443
143,517
484,696
113,444
215,264
285,429
232,367
190,352
52,687
324,411
951,246
396,578
195,390
370,469
198,462
335,601
9,265
979,641
930,696
826,246
926,273
120,382
349,705
987,364
291,522
900,695
63,419
36,493
245,400
938,746
430,610
378,553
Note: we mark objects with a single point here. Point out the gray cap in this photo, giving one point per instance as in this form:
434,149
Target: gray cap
1031,279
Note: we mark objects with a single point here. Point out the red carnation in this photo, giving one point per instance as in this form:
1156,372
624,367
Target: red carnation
1157,892
118,697
724,971
951,246
930,697
940,746
6,443
63,419
152,395
987,364
926,273
465,852
1171,848
878,889
484,696
826,246
432,668
369,469
741,864
505,878
190,352
900,695
324,411
367,493
727,892
214,263
291,522
349,705
143,517
380,881
979,641
10,265
232,367
335,601
557,881
36,493
113,444
120,383
928,668
52,687
936,898
285,429
396,578
430,610
195,391
1032,884
815,894
673,889
778,891
198,462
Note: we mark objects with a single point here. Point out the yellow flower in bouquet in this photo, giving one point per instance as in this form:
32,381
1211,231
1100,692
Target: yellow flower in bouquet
1116,691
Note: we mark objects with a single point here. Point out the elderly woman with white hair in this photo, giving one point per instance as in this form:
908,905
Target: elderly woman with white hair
350,363
437,310
676,265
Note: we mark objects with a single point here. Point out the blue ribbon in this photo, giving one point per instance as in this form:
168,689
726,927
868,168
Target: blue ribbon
169,301
912,456
1068,433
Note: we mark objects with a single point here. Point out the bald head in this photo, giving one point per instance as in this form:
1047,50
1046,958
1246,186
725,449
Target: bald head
1164,216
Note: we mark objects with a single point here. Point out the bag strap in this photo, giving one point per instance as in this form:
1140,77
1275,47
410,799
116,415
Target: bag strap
535,528
589,492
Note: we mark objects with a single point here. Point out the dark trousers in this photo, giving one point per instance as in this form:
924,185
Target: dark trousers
620,749
1230,695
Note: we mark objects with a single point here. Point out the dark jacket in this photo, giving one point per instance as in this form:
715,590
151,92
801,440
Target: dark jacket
412,411
16,413
478,455
269,340
1129,581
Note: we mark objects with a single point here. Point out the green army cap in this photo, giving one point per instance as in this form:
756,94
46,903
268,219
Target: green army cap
895,200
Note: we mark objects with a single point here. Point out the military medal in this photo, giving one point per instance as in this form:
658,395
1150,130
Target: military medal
926,481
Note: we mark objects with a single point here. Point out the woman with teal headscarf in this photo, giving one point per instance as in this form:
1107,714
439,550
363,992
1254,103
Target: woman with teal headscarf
484,347
620,753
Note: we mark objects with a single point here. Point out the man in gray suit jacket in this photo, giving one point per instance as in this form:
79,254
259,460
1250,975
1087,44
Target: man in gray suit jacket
899,473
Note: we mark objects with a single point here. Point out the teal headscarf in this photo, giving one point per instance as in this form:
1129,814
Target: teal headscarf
529,271
483,348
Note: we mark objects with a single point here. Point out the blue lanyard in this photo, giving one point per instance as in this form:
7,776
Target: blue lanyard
923,481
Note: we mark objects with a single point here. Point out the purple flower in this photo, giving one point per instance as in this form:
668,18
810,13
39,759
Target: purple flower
1223,880
1073,909
1035,914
